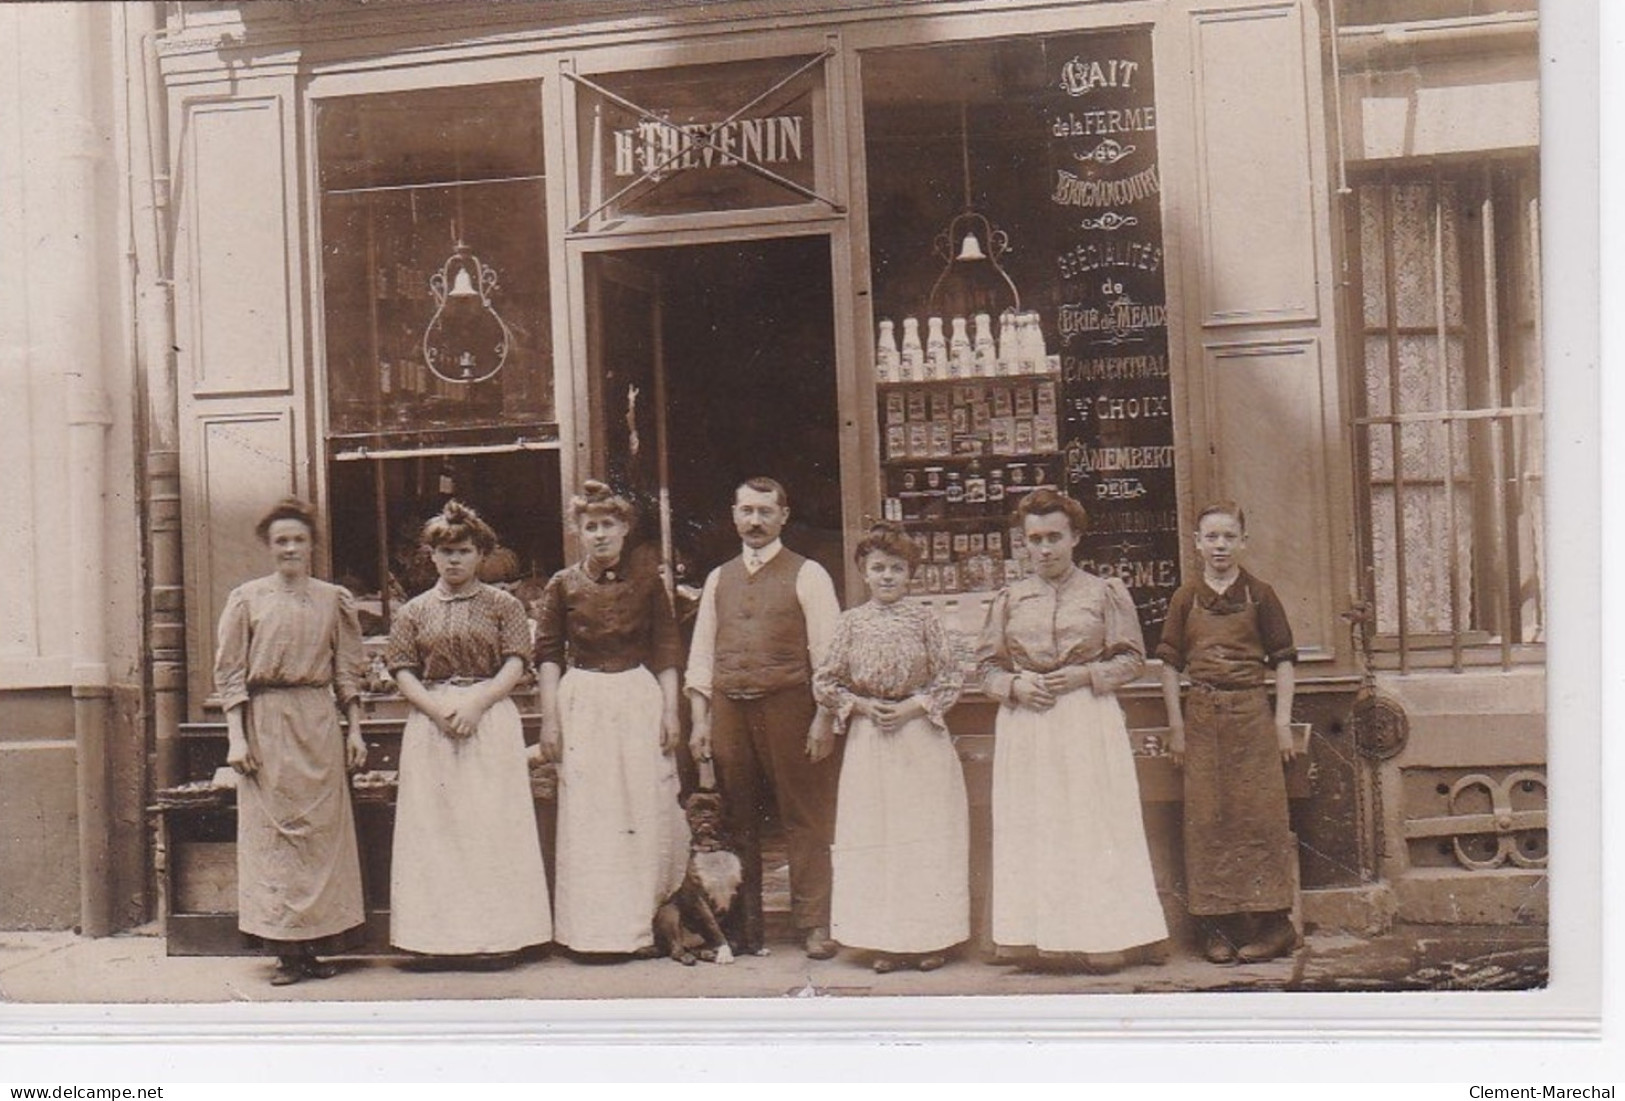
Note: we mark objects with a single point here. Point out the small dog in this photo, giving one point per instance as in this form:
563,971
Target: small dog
708,889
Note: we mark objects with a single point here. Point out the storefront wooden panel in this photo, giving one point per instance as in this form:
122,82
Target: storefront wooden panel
1265,422
245,462
238,249
239,332
1256,179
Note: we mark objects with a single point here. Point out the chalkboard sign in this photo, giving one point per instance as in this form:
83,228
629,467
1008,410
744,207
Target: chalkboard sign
1107,304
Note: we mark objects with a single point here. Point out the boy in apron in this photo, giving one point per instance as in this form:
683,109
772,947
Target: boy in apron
1225,631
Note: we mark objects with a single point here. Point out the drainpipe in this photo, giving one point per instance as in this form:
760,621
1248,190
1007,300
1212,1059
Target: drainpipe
153,348
149,184
66,317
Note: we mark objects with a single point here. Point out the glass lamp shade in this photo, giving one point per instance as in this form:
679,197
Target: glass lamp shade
971,249
462,285
972,280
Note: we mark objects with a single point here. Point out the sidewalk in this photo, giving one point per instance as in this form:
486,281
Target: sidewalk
40,968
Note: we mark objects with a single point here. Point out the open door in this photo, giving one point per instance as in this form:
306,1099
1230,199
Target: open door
710,363
627,370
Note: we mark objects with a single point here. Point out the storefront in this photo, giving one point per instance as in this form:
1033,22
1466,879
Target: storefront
498,265
909,259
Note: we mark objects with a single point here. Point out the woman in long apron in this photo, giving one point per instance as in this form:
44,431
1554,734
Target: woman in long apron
1072,876
289,659
607,655
467,879
902,833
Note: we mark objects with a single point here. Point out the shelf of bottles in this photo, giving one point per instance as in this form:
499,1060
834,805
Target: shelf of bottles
970,421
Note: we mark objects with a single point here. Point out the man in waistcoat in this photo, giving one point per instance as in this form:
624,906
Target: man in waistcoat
764,622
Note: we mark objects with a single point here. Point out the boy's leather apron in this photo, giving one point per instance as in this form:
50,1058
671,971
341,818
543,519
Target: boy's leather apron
1238,842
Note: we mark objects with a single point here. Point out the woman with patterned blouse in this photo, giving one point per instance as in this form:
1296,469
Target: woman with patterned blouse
289,660
902,847
467,879
1072,878
607,654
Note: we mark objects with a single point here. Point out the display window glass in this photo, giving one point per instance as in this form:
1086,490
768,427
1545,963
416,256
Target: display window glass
438,348
697,139
407,179
1015,229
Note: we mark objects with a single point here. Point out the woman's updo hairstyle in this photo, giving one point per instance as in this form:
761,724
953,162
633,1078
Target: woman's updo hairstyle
1045,501
598,497
456,523
888,537
289,508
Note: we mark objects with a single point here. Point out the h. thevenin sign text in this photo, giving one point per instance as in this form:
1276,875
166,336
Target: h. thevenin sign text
657,149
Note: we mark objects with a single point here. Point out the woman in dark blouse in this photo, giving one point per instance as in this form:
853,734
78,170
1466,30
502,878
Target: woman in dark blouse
607,655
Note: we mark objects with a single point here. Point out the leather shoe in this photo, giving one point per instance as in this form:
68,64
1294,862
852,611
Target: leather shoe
819,946
314,968
288,972
1278,940
1216,947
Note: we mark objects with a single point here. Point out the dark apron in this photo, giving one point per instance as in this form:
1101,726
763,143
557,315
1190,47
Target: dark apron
1238,842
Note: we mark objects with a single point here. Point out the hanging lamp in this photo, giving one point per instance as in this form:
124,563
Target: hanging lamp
466,340
970,238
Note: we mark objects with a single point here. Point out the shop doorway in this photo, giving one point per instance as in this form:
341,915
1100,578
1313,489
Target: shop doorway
709,364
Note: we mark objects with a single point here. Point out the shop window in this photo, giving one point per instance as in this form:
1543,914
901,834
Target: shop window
1015,230
1450,436
698,139
439,371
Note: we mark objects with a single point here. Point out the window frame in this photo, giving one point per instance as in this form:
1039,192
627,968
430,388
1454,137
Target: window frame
1489,273
328,446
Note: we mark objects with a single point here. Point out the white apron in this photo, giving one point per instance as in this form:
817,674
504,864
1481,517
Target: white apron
1071,869
467,872
622,837
902,841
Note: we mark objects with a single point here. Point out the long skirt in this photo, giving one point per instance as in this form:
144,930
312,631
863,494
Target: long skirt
467,874
622,837
1238,840
902,841
298,872
1071,870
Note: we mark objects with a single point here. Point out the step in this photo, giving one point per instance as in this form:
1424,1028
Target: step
1449,896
